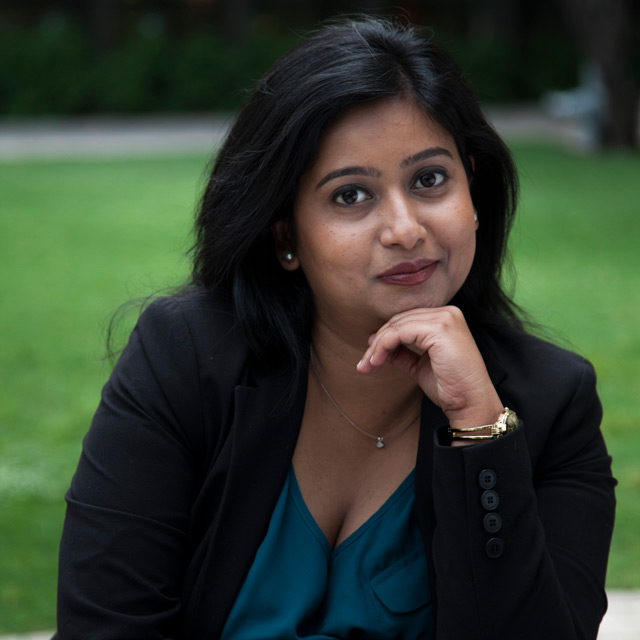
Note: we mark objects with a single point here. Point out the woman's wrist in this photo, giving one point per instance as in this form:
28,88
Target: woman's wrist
506,422
484,412
479,417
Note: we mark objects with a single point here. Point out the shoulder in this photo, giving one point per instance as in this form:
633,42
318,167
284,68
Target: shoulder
198,324
200,310
189,344
184,358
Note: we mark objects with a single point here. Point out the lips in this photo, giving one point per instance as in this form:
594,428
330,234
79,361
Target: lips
409,273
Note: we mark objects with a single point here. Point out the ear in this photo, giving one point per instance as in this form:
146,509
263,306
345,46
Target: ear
284,245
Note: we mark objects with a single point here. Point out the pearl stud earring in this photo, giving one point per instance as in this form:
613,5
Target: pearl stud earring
288,257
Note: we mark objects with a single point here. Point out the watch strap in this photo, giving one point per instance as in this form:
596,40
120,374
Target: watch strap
507,422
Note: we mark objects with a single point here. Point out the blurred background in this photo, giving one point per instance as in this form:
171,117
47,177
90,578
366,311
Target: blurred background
110,112
133,56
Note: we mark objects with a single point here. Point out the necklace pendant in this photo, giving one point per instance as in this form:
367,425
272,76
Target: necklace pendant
380,439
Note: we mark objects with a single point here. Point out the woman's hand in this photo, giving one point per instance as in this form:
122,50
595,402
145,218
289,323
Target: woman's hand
436,349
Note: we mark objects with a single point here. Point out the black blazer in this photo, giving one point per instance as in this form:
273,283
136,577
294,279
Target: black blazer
187,454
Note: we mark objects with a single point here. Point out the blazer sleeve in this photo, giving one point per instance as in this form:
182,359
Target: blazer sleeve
524,522
123,543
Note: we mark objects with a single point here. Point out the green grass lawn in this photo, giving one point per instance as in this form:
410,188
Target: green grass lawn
78,238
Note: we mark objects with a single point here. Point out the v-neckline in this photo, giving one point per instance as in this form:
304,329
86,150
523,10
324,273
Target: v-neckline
330,551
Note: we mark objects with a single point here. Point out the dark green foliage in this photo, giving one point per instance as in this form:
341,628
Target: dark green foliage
502,71
57,72
44,73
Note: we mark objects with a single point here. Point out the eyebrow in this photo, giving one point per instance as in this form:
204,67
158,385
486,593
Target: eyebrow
425,154
349,171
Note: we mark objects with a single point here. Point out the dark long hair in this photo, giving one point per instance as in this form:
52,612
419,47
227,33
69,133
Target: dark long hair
275,140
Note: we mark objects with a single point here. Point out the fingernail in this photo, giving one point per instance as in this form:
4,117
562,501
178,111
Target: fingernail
358,365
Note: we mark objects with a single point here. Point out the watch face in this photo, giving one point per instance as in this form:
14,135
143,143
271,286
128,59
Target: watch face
512,420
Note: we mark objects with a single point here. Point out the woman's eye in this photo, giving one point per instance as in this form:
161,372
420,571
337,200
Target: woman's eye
350,196
430,179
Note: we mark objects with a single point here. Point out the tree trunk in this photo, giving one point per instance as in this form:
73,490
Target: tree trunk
602,29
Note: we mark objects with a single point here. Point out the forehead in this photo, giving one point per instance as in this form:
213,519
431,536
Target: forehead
387,123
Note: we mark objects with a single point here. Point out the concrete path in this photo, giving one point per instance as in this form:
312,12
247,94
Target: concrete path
113,136
50,138
622,621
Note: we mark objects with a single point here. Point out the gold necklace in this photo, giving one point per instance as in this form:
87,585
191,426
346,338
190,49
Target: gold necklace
380,440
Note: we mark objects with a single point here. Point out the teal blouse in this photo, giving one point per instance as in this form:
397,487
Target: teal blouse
374,584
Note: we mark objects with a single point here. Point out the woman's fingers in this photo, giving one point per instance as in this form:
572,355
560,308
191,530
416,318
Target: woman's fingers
436,349
417,329
409,362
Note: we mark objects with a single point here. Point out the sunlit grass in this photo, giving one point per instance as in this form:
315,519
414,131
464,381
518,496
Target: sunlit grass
78,238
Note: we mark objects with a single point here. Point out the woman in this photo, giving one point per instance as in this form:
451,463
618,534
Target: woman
313,439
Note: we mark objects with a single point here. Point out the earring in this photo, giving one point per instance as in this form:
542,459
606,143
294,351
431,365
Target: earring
475,216
288,257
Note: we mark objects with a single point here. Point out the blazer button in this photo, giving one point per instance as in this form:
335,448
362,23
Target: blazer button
487,478
492,522
489,500
494,548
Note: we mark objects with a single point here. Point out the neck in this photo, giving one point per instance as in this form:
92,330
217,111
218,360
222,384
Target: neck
379,403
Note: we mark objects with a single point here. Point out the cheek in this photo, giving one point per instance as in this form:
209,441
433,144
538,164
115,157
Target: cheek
460,242
458,232
467,246
330,247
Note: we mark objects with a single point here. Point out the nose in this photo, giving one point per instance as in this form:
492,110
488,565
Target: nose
401,224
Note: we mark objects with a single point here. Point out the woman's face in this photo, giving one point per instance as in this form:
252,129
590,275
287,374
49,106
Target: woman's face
383,220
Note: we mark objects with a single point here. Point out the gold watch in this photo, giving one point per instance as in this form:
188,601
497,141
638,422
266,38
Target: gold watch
507,422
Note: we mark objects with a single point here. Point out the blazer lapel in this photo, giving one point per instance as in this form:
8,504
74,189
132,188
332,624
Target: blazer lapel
246,480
